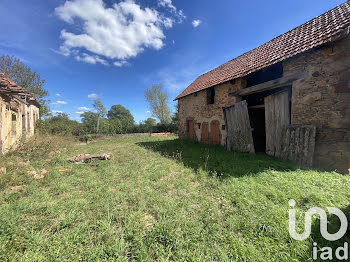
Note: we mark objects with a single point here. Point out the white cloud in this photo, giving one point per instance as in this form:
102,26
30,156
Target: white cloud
93,96
84,108
120,63
80,112
178,13
120,32
91,59
57,94
59,102
57,112
196,23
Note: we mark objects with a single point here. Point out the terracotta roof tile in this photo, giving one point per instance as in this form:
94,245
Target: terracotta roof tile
320,30
7,86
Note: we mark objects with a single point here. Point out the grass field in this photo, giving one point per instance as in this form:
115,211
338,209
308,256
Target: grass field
160,199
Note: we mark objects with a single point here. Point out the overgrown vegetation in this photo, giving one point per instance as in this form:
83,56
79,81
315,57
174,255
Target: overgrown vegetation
159,199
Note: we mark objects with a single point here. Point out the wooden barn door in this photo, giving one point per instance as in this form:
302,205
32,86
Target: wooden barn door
190,129
215,135
239,132
205,133
277,115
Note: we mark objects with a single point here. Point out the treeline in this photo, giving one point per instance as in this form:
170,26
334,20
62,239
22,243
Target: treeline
60,124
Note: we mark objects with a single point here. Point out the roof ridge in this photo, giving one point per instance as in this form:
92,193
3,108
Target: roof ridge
348,1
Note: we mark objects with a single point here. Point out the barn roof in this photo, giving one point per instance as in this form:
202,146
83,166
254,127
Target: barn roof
8,87
320,30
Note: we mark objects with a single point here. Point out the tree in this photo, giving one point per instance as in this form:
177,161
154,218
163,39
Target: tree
121,119
150,123
89,120
157,100
120,112
22,75
100,111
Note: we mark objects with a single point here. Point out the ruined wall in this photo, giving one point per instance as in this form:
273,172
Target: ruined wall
195,107
11,122
322,98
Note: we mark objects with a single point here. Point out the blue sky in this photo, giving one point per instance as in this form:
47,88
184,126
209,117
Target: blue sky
115,49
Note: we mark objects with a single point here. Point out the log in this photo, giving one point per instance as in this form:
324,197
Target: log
83,158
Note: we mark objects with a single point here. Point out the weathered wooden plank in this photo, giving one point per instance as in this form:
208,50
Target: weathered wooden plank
282,81
204,133
214,135
239,134
269,125
277,115
298,144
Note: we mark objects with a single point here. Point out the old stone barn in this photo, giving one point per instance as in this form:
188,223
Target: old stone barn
19,112
288,97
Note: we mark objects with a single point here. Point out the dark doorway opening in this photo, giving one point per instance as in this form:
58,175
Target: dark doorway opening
257,123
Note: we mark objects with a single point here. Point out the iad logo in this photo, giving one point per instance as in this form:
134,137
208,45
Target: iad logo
327,253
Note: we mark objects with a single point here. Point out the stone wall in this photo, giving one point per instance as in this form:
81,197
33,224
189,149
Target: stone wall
195,107
321,98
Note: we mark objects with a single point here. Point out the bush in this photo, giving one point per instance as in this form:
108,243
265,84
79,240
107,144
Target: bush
60,125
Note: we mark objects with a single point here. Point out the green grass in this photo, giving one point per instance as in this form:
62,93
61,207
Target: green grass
160,199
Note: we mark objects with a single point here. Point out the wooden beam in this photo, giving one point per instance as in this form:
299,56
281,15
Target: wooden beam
279,82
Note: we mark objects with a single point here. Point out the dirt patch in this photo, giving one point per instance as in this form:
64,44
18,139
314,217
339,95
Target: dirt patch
17,188
148,220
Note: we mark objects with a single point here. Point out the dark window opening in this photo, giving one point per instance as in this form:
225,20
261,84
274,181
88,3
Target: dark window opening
264,75
28,123
223,127
14,124
210,95
199,125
